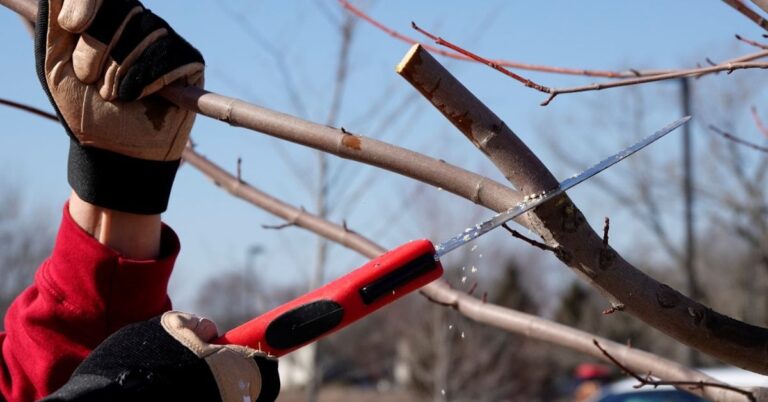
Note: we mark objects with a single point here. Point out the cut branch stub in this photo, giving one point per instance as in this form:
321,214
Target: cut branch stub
481,126
561,225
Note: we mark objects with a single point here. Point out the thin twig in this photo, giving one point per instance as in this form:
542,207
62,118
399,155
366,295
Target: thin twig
759,122
728,66
530,241
30,109
472,288
613,309
739,6
438,302
751,42
747,57
279,227
291,222
505,63
737,140
442,42
693,72
648,381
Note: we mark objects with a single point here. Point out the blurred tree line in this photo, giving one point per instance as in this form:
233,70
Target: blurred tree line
26,239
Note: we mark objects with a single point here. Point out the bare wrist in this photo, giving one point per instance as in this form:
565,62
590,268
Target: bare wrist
133,236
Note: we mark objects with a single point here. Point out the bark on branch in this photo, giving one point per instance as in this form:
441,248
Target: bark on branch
471,186
563,226
763,4
742,8
439,292
559,222
469,306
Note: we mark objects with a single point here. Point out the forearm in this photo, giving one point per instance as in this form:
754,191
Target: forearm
133,236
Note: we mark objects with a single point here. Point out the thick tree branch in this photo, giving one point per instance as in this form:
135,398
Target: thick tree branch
563,226
439,292
481,127
476,309
25,8
763,4
438,173
739,6
701,322
465,184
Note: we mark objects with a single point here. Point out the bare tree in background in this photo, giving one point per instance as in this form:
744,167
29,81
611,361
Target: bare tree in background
560,224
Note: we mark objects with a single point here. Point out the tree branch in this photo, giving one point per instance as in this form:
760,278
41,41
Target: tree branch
562,225
474,187
763,4
729,66
438,173
532,242
739,6
504,63
751,42
346,145
693,72
475,309
685,385
29,109
496,66
759,122
737,140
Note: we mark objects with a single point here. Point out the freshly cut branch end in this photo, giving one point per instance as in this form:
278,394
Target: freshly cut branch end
413,52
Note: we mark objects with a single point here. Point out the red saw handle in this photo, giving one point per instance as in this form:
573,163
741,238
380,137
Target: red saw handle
341,302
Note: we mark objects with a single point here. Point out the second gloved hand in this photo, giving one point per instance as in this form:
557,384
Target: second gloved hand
169,359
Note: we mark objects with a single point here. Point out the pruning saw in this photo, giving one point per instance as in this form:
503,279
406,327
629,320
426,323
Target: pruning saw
387,277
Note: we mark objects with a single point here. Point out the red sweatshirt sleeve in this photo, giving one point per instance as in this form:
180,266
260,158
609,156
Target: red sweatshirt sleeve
81,294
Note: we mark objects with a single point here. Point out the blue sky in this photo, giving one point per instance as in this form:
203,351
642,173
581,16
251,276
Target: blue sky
217,229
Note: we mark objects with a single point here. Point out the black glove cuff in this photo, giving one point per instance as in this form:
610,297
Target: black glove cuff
270,380
111,180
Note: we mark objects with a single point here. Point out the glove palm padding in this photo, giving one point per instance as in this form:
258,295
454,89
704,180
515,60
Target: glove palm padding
101,66
150,128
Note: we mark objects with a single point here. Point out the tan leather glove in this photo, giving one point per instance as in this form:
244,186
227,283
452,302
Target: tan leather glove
169,359
100,65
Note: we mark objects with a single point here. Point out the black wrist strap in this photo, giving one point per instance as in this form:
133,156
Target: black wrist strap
111,180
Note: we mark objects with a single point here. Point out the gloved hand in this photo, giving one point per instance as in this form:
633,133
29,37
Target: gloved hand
168,359
100,65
